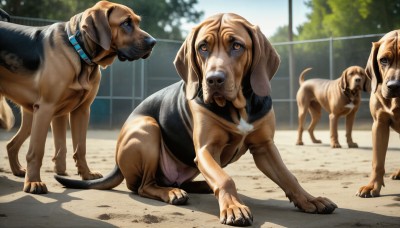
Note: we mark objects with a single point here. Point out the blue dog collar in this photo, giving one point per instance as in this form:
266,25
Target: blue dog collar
77,47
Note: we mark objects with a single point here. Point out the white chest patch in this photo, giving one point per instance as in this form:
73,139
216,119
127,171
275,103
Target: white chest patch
245,127
350,105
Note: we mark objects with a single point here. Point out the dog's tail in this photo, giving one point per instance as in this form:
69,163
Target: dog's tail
301,78
6,115
110,181
4,16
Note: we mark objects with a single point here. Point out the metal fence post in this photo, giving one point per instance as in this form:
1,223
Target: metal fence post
331,58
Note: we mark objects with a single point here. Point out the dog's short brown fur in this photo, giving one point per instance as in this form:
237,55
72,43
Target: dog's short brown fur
219,111
383,68
41,72
340,97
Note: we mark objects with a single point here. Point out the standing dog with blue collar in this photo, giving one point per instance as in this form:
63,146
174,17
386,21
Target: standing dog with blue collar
221,109
53,73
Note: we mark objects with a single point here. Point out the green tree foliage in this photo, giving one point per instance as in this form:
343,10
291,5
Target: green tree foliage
339,18
335,18
161,18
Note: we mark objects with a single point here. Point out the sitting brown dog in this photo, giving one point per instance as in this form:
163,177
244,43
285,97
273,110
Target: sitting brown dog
219,111
383,68
340,97
53,73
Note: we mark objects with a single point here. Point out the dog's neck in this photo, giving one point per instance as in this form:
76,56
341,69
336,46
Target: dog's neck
351,95
97,54
78,41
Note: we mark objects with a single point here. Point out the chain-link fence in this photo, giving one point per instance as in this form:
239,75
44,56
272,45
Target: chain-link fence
125,84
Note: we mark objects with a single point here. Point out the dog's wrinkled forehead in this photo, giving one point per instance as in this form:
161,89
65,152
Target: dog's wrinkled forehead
390,44
224,27
121,13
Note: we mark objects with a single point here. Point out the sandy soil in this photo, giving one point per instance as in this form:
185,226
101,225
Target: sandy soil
333,173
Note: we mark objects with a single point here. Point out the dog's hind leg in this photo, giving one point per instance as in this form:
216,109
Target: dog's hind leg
301,119
315,112
14,145
138,156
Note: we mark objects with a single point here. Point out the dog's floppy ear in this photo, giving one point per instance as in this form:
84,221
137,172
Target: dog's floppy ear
367,84
343,80
95,24
186,66
265,62
372,68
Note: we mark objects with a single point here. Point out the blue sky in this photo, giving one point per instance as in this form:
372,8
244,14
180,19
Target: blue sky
267,14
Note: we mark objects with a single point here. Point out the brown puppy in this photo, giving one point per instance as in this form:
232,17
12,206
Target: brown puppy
219,111
53,73
340,97
383,68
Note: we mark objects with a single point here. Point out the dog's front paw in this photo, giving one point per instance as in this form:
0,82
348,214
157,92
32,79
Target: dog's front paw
319,205
236,215
299,143
336,145
353,145
91,175
35,187
368,191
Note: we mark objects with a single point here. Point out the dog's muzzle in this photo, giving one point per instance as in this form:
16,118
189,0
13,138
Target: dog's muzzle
136,53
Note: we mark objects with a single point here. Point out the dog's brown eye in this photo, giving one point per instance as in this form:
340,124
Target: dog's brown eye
384,61
203,47
236,46
127,23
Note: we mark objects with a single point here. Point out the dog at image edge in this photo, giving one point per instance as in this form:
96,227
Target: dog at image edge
340,97
383,68
220,109
53,73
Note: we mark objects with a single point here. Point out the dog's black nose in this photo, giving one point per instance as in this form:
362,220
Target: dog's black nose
358,79
215,78
150,41
393,85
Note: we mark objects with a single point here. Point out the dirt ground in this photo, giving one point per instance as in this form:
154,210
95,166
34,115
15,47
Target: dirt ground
332,173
